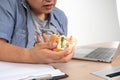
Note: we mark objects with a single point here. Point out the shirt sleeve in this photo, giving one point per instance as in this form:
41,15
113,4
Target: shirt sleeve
6,21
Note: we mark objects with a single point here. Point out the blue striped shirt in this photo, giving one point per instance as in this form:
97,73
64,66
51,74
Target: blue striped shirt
17,27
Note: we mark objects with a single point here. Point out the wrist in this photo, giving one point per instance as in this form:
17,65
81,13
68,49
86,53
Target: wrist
27,56
30,55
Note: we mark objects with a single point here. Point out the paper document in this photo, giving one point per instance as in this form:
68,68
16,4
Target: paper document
108,74
18,71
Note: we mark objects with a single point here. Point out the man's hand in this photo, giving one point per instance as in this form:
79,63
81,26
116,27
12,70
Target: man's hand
43,53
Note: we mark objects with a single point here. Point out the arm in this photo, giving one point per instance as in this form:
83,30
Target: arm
41,53
9,52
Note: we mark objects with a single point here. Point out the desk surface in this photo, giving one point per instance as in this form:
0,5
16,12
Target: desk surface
81,69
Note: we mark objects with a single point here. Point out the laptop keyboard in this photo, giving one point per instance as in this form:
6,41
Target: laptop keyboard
101,53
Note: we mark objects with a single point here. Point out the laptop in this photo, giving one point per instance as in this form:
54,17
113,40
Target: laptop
101,54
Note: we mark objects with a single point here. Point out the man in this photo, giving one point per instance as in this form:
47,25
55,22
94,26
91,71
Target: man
25,22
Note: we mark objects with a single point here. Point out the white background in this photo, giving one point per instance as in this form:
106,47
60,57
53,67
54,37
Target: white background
118,6
92,21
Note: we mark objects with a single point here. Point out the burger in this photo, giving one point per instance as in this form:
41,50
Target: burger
62,42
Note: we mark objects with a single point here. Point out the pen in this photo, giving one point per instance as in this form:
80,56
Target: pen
40,77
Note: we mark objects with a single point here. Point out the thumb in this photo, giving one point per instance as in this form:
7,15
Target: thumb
51,45
39,40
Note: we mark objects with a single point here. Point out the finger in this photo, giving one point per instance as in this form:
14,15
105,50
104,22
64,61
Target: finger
50,45
58,55
45,37
39,40
66,58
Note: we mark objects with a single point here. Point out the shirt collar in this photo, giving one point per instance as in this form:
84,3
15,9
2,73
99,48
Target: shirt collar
53,19
24,3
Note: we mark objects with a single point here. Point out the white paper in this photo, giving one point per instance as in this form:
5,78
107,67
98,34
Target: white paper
103,73
16,71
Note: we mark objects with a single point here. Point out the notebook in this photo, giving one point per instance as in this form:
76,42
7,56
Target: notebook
22,71
101,54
